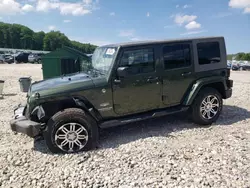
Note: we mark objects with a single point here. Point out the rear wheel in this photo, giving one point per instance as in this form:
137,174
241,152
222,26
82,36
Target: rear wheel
207,106
71,131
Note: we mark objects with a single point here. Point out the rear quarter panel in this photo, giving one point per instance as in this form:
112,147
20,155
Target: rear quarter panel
202,82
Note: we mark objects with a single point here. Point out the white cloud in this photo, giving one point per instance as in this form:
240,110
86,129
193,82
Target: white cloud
9,7
241,4
134,39
43,5
188,20
177,6
194,32
187,6
67,21
193,25
27,8
52,27
88,2
222,14
1,18
148,14
169,26
127,33
112,13
72,8
182,19
65,8
247,10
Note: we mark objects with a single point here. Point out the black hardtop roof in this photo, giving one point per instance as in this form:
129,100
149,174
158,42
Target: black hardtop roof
146,42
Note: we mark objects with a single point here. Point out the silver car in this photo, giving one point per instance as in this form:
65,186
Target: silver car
32,58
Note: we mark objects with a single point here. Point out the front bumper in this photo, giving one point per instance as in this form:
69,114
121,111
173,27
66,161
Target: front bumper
23,125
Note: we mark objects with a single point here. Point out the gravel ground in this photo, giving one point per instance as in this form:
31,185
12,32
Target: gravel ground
164,152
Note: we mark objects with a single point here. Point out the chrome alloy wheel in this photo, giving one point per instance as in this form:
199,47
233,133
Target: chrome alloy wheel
209,107
71,137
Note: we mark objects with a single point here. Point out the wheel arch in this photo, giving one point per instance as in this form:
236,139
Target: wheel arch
52,107
217,83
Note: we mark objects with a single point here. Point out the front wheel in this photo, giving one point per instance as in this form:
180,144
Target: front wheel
71,131
207,106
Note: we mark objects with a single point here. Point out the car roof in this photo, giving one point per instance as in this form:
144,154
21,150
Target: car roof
146,42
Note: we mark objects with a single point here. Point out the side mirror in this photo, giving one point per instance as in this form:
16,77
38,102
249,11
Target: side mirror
122,71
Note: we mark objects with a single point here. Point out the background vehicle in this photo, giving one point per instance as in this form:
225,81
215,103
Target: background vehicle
2,59
9,59
240,66
22,57
126,83
34,58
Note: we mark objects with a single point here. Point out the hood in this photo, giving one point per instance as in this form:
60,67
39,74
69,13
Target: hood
62,84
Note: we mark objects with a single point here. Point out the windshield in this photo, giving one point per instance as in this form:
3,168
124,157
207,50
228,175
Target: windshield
101,60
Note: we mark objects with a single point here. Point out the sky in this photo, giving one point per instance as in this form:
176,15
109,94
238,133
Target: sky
111,21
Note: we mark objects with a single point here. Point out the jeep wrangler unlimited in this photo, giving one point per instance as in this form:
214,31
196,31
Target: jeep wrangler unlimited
127,82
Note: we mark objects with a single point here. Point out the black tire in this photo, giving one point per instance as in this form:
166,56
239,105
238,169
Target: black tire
197,116
71,115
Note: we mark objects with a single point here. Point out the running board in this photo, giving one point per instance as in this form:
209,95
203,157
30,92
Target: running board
142,116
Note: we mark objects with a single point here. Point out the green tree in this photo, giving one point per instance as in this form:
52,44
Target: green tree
26,37
15,31
243,56
22,37
85,48
54,40
38,40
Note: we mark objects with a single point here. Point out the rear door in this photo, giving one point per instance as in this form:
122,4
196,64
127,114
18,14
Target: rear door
140,90
178,71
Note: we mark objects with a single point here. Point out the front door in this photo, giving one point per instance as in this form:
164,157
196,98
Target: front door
178,72
140,89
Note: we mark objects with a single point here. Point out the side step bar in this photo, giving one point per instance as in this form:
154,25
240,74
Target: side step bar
139,117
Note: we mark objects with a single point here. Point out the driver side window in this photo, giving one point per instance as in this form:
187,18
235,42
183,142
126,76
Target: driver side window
139,61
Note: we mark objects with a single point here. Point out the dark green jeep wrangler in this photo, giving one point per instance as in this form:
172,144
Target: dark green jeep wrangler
125,83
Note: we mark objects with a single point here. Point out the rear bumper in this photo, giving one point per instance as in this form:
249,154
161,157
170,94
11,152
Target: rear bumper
229,93
229,90
23,125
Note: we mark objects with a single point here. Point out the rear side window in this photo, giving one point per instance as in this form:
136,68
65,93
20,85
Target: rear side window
176,56
140,61
208,52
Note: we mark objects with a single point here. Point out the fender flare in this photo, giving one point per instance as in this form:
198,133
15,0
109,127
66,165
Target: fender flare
199,84
84,104
68,102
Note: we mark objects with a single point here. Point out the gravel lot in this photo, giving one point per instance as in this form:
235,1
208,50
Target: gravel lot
164,152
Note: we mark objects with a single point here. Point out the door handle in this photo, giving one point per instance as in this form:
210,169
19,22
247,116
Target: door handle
116,81
151,79
186,73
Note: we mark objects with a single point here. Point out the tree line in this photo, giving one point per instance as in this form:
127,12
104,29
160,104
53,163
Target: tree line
21,37
239,56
